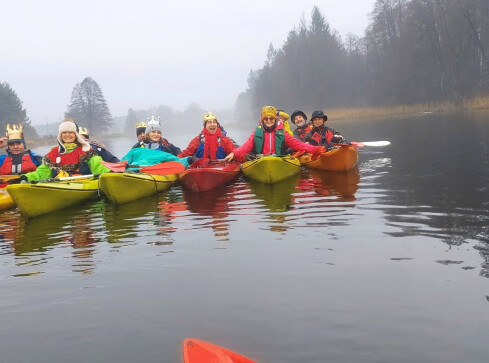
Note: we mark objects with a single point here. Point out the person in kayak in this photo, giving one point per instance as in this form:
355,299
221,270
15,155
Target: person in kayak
282,116
98,146
141,130
299,119
68,158
154,141
210,143
270,139
320,134
18,159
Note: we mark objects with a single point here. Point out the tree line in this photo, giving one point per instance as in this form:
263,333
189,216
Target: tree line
413,51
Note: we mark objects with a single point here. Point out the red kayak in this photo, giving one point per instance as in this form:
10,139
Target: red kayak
205,174
198,351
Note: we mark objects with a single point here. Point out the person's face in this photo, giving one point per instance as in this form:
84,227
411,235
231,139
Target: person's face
299,121
141,136
16,147
154,136
269,121
317,121
68,136
211,126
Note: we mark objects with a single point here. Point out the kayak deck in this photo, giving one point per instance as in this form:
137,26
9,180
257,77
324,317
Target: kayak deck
34,199
338,159
202,176
271,169
121,188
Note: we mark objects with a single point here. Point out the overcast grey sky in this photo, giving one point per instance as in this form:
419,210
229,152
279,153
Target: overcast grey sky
145,53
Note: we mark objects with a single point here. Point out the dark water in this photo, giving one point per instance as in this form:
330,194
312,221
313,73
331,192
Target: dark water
387,263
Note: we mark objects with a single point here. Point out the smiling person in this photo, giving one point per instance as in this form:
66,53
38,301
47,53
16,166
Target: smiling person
270,138
302,127
320,134
210,143
18,159
153,139
69,157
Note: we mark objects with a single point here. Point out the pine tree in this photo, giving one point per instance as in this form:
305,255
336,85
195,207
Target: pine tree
131,121
11,111
88,107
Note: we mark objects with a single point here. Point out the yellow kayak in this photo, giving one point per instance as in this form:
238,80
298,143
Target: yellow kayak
121,188
6,201
34,199
341,158
271,169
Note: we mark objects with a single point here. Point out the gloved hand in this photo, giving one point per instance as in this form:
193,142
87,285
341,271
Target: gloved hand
18,180
317,153
191,159
249,157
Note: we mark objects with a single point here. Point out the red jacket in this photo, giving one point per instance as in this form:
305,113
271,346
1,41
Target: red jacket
224,142
269,145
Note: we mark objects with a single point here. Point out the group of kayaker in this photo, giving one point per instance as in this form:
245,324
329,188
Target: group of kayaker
77,154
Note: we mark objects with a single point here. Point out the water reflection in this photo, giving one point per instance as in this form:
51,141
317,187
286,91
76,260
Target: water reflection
31,239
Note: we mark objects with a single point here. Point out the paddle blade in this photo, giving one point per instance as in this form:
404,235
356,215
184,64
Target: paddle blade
165,168
360,144
115,167
199,351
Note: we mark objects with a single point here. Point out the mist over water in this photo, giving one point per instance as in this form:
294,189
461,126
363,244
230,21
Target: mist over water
385,263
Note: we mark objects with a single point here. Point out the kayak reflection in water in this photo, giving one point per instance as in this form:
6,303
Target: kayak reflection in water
73,155
212,143
269,138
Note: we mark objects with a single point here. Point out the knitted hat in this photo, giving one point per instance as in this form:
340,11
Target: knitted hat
297,113
210,116
283,115
153,125
140,127
319,113
15,134
68,125
268,111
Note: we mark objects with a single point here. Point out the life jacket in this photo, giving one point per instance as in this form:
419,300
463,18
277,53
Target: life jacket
199,153
321,136
26,164
279,140
301,132
69,162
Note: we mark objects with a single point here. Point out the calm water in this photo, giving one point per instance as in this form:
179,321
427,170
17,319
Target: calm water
387,263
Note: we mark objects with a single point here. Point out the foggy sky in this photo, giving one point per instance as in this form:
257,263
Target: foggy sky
145,53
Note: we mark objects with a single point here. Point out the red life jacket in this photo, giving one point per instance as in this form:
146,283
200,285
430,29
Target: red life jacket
25,166
321,136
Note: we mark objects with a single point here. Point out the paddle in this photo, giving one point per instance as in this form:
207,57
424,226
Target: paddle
164,168
368,143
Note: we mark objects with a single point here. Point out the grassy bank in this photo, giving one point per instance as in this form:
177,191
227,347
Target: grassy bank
473,104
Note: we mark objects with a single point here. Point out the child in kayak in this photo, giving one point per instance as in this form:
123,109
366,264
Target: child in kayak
302,127
18,159
211,143
270,139
320,134
141,130
154,141
70,156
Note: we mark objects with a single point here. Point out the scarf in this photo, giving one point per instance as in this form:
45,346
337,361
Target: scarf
211,144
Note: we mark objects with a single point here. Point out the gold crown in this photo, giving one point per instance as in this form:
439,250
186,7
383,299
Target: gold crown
141,124
83,131
209,116
15,132
283,115
268,111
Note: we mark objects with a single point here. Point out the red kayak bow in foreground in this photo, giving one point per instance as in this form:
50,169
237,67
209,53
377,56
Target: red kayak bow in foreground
199,351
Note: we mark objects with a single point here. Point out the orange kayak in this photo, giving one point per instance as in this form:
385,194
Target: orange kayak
205,174
198,351
338,159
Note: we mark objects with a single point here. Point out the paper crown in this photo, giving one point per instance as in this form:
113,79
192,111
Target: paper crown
283,115
15,133
83,131
209,116
141,125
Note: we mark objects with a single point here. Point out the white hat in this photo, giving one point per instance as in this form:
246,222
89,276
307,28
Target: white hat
153,125
68,125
